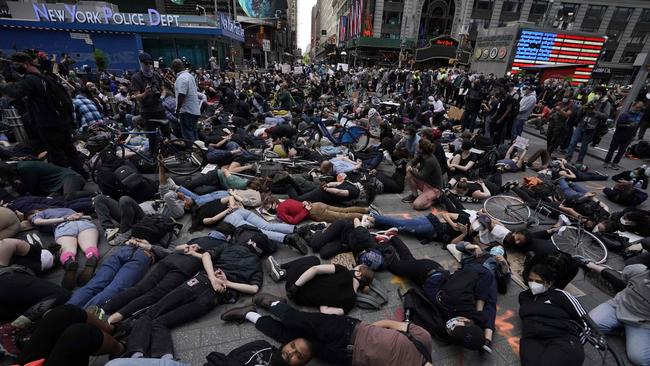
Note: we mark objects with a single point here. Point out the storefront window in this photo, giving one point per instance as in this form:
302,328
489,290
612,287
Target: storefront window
628,57
483,4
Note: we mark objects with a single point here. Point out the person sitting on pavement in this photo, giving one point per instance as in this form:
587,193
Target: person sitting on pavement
461,163
424,178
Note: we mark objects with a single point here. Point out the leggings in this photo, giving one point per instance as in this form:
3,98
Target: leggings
532,202
561,351
394,183
63,338
409,267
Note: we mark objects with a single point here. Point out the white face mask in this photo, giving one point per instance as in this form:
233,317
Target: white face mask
626,222
536,288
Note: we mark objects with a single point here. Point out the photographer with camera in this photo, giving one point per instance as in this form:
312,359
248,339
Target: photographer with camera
590,119
146,84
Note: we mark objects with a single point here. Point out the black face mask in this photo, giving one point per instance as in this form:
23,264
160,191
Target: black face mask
277,360
21,69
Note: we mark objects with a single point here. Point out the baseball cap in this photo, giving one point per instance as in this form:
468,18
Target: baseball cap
143,57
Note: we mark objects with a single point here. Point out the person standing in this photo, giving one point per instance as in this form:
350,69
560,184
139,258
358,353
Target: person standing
626,127
50,111
187,101
558,123
146,85
590,119
526,106
503,114
472,106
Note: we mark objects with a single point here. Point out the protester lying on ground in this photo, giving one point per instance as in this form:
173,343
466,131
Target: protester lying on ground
626,194
43,179
638,177
478,189
330,287
514,159
553,322
335,339
293,212
443,227
68,335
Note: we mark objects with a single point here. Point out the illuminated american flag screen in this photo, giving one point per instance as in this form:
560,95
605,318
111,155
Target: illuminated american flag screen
541,48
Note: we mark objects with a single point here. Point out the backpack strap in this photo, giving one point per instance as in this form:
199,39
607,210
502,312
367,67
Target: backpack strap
419,345
366,301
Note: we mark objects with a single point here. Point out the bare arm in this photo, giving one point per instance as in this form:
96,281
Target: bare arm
218,217
330,310
242,287
314,271
391,324
337,192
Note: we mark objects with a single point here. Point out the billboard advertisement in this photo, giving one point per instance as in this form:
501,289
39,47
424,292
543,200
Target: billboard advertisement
544,48
262,8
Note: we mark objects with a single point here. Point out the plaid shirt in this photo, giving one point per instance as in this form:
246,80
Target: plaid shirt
86,112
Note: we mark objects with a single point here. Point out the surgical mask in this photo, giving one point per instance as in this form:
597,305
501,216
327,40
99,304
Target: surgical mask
498,250
536,288
625,222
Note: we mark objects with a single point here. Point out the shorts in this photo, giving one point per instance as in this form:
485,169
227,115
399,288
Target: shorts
73,228
509,163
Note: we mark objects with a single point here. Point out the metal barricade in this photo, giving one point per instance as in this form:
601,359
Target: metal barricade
12,119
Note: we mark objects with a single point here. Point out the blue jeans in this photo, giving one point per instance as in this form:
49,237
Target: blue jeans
204,198
584,136
123,269
637,339
517,128
188,126
144,362
418,226
573,191
273,231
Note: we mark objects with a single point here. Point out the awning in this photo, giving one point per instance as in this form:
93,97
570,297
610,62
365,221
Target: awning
110,28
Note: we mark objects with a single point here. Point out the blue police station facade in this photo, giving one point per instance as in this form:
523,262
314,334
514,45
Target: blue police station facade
77,34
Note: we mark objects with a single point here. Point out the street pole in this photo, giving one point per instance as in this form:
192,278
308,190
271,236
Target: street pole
401,49
266,60
639,82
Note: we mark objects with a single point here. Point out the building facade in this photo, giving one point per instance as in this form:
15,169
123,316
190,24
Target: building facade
379,29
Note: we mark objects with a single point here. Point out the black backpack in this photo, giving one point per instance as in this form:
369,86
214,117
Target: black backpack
420,311
58,99
135,184
156,229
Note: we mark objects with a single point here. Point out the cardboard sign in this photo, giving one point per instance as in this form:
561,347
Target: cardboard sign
340,66
521,142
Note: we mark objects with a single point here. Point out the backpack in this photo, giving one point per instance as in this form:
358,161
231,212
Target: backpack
59,100
135,184
156,229
255,353
245,233
420,311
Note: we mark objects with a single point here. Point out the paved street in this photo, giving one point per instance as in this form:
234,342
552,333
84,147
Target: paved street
196,340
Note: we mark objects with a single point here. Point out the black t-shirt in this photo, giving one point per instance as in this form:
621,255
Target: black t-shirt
152,103
335,290
354,190
539,247
503,106
210,209
473,187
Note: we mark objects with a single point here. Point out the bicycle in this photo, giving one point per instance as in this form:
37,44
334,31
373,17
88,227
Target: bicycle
179,156
574,240
355,138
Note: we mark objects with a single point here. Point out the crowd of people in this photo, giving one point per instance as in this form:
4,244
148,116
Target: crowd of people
131,271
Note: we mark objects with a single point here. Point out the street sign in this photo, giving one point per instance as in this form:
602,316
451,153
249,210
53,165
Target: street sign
266,45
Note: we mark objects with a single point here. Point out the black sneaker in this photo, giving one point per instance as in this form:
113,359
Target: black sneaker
88,271
273,268
316,226
297,242
409,199
70,267
238,314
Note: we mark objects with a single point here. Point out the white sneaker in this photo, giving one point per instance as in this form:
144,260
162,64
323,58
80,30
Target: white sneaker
111,233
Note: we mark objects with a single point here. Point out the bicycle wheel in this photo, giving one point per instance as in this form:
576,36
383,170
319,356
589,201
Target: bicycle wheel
507,209
310,138
354,138
182,157
577,241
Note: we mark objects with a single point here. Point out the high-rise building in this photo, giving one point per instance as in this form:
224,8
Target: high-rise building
377,30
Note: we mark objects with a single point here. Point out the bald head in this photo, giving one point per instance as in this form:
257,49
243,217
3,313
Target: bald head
177,65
